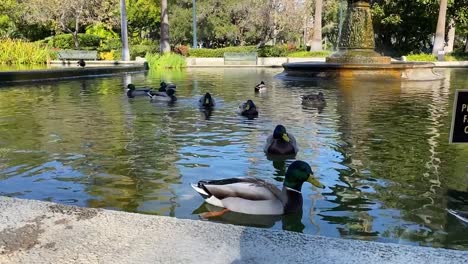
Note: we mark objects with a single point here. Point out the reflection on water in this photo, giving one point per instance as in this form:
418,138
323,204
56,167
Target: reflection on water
380,148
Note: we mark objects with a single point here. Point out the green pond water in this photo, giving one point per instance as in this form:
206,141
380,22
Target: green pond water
381,149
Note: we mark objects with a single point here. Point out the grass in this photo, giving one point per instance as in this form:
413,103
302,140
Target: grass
15,51
168,61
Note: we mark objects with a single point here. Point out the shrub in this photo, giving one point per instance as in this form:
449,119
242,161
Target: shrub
182,50
110,44
219,53
273,51
14,51
107,55
65,41
304,54
142,50
421,57
169,60
457,56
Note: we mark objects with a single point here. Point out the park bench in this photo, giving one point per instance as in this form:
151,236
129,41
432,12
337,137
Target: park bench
240,58
77,55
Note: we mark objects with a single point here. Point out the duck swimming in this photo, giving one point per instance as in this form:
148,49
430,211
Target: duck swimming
281,142
168,96
81,63
316,100
164,86
206,101
255,196
261,87
248,109
132,91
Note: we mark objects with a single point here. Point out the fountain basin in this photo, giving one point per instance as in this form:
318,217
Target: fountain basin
398,71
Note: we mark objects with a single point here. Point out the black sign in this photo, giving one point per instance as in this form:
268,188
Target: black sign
459,131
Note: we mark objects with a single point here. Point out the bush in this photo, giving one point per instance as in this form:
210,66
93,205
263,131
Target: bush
142,50
421,57
182,50
305,54
65,41
169,60
110,44
273,51
14,51
457,56
107,55
219,53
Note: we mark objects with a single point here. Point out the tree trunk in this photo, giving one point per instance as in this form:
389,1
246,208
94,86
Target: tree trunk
75,39
466,44
123,31
165,48
317,35
439,41
450,36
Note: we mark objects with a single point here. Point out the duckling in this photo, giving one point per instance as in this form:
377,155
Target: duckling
281,142
206,101
255,196
81,63
168,96
132,91
316,100
248,109
261,87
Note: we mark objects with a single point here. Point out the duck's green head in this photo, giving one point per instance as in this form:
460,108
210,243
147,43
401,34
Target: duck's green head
163,85
280,133
131,87
298,173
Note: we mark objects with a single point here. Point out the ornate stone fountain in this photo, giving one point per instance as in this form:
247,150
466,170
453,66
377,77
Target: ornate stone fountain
356,57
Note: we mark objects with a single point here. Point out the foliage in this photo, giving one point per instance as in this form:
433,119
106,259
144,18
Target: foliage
142,50
168,60
182,50
311,54
107,55
65,41
213,53
421,57
101,30
273,51
16,51
457,56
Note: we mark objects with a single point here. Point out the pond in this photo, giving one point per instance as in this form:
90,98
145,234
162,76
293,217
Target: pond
381,150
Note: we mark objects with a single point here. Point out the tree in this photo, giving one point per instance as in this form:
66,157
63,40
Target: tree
124,33
68,15
316,43
439,42
165,48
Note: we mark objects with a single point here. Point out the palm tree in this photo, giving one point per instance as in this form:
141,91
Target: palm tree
165,48
124,33
316,43
439,42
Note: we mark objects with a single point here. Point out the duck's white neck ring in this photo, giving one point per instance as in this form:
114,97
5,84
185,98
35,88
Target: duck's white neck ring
291,189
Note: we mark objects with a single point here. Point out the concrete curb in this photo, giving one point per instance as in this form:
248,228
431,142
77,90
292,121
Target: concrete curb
42,232
8,77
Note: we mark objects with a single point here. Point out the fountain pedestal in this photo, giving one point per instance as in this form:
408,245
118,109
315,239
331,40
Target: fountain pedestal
357,41
356,57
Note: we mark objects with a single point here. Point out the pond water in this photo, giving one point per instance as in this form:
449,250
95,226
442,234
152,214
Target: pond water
381,149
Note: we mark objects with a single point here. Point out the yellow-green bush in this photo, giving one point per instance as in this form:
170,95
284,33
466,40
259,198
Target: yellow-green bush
15,51
169,60
107,55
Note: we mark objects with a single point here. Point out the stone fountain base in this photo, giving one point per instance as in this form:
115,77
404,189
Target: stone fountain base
398,71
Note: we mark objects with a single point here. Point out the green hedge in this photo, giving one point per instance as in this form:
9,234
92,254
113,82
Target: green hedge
306,54
16,51
65,41
219,53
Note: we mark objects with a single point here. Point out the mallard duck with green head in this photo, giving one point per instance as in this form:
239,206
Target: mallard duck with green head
132,91
281,142
315,100
255,196
261,87
168,96
248,109
206,101
163,86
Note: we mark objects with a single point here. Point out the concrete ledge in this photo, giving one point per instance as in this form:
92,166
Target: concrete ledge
261,62
42,232
64,73
98,62
451,64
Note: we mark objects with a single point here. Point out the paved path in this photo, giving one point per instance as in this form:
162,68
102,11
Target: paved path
41,232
